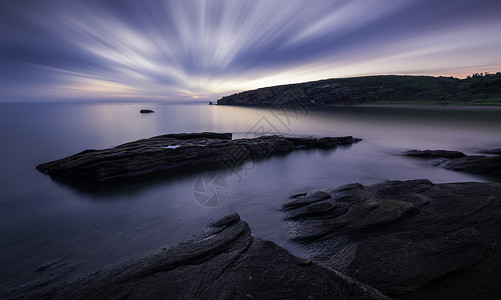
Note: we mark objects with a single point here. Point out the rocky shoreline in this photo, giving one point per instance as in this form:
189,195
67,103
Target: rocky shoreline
458,161
224,261
174,153
403,239
409,239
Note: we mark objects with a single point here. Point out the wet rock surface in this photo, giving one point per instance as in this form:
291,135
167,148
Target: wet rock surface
409,239
222,262
434,153
458,161
174,153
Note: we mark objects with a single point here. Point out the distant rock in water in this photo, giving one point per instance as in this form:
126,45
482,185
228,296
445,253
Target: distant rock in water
492,151
409,239
224,261
434,153
174,153
146,111
458,161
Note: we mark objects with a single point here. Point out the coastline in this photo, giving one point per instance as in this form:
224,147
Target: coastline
425,106
413,106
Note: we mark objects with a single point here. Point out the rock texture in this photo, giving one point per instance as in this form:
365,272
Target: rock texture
304,94
435,154
409,239
458,161
222,262
174,153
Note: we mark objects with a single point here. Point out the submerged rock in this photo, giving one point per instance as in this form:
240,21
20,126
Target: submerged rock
485,165
458,161
222,262
409,239
146,111
492,151
174,153
435,153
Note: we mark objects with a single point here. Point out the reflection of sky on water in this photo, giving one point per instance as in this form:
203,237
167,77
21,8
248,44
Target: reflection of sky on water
42,220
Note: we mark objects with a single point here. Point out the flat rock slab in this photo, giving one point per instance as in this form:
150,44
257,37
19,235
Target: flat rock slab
409,239
458,161
174,153
434,153
222,262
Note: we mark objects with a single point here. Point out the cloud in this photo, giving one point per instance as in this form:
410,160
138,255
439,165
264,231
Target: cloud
177,50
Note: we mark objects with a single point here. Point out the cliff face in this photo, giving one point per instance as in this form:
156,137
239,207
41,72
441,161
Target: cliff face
311,93
392,88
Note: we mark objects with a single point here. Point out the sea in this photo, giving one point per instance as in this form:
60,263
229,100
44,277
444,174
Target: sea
51,232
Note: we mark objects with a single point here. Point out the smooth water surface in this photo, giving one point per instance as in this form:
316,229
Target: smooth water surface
51,229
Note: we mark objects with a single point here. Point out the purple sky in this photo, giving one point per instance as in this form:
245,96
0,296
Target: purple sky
186,50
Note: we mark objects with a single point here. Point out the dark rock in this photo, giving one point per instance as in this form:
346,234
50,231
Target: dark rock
407,238
317,93
174,153
485,165
210,102
146,111
458,161
434,153
222,262
492,151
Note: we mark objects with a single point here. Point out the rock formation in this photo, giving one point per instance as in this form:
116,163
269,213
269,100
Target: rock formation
458,161
410,239
174,153
222,262
370,89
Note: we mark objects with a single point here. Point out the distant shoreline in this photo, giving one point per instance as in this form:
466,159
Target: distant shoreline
445,107
369,105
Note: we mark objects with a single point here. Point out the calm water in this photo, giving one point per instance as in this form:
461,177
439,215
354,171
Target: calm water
44,223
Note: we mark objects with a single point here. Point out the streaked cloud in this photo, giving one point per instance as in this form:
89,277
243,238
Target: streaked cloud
180,50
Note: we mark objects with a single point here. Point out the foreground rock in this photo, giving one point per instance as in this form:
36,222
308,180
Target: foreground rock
174,153
410,239
458,161
222,262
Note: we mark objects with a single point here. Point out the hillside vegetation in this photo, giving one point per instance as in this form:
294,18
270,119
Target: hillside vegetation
478,89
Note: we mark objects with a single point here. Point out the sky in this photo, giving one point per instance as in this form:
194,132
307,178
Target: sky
187,50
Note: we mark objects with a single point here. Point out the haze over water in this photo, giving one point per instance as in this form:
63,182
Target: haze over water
43,222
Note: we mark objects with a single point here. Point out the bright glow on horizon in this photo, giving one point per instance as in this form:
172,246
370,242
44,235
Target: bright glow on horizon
175,50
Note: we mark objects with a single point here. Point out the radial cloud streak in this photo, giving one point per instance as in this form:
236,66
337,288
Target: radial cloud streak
185,50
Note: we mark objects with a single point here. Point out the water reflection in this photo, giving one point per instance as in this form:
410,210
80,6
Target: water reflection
42,221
